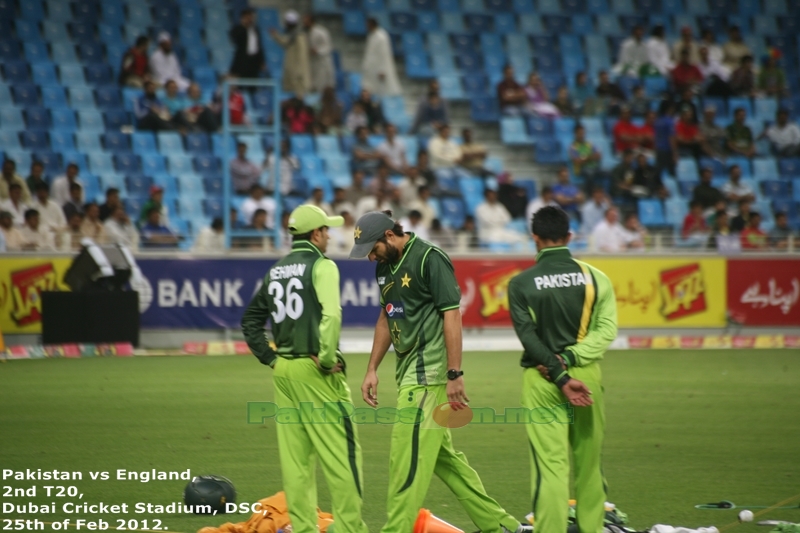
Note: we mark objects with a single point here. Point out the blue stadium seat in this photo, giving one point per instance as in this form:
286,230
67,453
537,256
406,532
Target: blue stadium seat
412,42
453,212
81,98
540,127
116,118
206,164
744,165
37,118
548,151
197,143
144,143
63,120
428,21
36,52
403,22
137,184
609,25
337,166
99,74
127,163
9,140
88,141
651,213
418,66
108,96
354,23
484,109
91,52
776,189
116,142
785,205
557,23
71,74
789,167
11,119
15,71
686,170
53,96
9,50
765,169
25,94
35,140
505,23
512,131
796,189
474,85
302,145
479,22
77,158
170,143
153,163
32,11
90,120
180,164
450,86
51,161
327,145
101,163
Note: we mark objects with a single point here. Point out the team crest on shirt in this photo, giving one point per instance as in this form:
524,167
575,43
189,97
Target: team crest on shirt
395,310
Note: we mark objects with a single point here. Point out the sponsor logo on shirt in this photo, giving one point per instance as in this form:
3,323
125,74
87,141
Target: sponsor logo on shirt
382,280
395,310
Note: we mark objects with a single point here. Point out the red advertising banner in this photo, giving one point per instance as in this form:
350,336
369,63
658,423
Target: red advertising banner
764,292
484,290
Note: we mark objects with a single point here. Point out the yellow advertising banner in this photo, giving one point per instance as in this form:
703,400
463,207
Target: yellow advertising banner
673,292
22,281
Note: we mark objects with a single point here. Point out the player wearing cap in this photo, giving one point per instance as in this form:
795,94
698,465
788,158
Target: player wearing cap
300,295
420,316
565,313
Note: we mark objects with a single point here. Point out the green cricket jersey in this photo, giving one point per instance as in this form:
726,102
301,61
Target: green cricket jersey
414,295
300,294
562,306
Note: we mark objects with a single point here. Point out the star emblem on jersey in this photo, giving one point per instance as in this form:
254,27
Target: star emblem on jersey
406,280
357,233
395,333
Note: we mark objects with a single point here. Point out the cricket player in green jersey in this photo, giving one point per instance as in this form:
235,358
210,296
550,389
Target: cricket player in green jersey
565,313
300,295
420,316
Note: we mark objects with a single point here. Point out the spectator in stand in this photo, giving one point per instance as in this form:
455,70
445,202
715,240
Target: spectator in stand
155,201
422,203
431,114
715,75
442,237
211,239
410,184
9,176
425,170
626,134
135,69
413,223
784,136
150,112
356,191
320,48
287,166
257,200
60,190
36,176
593,211
492,218
11,235
687,101
567,195
608,235
393,150
695,230
564,104
443,150
753,237
639,103
622,177
658,54
35,237
780,235
647,180
709,42
473,155
51,216
296,69
735,49
467,238
584,95
378,68
318,199
154,233
330,115
197,113
714,136
686,75
342,238
741,220
296,116
734,190
739,136
244,173
120,230
175,103
636,233
743,79
584,156
647,134
164,64
665,143
538,99
632,54
71,239
248,57
686,42
236,106
92,227
356,118
112,201
373,202
381,181
611,93
15,205
687,135
365,157
772,78
706,194
720,231
340,202
375,119
511,96
75,202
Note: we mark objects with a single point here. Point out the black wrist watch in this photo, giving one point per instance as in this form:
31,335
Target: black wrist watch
562,380
454,374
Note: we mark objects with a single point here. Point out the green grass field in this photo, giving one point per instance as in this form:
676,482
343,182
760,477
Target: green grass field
684,427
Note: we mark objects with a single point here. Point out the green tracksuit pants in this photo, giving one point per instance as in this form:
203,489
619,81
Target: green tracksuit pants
422,449
550,442
325,434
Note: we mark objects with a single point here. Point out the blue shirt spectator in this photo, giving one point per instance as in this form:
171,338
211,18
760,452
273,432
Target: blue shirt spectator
174,101
567,195
154,235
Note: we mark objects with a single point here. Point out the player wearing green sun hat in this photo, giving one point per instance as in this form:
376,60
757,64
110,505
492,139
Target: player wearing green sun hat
300,296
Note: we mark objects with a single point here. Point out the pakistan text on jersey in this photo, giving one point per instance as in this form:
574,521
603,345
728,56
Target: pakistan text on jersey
571,279
286,271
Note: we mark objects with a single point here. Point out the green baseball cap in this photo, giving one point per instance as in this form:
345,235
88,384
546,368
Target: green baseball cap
310,217
369,228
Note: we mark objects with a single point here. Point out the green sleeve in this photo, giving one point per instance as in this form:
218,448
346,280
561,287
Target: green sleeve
326,285
439,274
524,320
255,316
602,326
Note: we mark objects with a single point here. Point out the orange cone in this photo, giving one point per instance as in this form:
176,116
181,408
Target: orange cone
427,523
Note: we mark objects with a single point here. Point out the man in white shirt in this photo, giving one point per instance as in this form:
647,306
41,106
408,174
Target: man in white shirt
658,53
11,235
287,166
342,239
51,215
413,222
320,48
632,54
34,236
393,150
119,230
593,211
211,239
783,135
318,199
164,64
686,42
423,205
544,199
378,201
444,151
15,205
244,173
257,200
734,190
378,68
710,67
59,190
340,202
492,217
609,236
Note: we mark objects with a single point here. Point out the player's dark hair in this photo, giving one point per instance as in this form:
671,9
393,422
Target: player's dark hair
111,190
397,229
550,223
217,223
30,213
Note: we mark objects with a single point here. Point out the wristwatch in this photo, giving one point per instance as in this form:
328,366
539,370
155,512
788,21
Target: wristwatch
454,374
562,380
